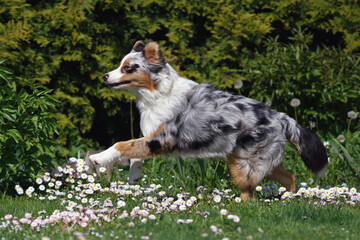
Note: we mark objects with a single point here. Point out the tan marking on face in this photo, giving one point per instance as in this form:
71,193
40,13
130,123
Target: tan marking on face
141,79
126,63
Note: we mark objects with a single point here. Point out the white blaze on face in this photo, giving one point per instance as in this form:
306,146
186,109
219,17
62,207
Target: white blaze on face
115,75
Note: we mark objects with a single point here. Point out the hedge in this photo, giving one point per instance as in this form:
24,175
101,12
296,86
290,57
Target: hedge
279,49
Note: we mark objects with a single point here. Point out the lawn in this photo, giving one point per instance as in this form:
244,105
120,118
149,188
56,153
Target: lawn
175,200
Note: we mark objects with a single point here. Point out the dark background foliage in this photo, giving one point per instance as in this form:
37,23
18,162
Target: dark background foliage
280,50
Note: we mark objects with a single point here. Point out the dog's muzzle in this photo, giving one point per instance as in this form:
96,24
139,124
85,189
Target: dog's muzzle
106,77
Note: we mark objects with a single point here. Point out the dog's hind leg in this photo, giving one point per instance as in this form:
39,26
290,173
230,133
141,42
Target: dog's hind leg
283,177
245,176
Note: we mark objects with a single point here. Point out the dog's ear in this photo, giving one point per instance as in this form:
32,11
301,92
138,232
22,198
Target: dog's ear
152,53
138,46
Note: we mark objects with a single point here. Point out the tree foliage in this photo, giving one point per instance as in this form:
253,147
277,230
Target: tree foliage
69,45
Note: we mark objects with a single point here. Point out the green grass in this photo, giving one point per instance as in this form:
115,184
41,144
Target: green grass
291,219
294,220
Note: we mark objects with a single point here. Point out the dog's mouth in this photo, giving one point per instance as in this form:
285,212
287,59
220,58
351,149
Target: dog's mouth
118,83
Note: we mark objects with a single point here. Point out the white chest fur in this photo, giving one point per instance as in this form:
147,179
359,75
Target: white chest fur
160,107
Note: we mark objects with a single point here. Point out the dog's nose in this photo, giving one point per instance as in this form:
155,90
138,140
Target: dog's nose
106,77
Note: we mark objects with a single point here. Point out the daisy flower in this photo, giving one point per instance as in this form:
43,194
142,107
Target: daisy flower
189,203
182,207
58,183
162,193
236,219
213,228
258,188
91,179
39,181
102,169
223,212
282,189
41,187
89,191
173,207
237,199
217,198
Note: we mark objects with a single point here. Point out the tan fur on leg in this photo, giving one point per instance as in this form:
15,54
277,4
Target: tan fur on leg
245,181
284,177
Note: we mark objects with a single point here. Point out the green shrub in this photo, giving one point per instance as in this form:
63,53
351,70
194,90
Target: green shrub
69,45
325,79
26,130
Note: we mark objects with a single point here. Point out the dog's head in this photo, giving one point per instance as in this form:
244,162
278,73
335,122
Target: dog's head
139,69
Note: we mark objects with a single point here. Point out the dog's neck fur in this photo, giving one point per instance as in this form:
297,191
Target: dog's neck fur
163,104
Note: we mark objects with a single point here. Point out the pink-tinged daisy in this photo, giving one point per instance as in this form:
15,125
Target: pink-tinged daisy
162,194
223,212
83,224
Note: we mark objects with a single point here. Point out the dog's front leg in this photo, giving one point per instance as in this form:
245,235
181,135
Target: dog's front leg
135,170
108,157
142,148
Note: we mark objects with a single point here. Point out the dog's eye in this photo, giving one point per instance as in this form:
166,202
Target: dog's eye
128,69
135,66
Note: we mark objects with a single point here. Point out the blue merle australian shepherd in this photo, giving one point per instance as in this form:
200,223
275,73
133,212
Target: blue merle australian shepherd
180,117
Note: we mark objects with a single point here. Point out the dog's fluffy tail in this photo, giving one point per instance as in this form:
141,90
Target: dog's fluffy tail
309,146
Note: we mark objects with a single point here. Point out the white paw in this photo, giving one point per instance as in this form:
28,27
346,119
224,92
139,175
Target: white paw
106,157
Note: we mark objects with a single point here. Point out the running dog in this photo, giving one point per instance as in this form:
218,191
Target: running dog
180,117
